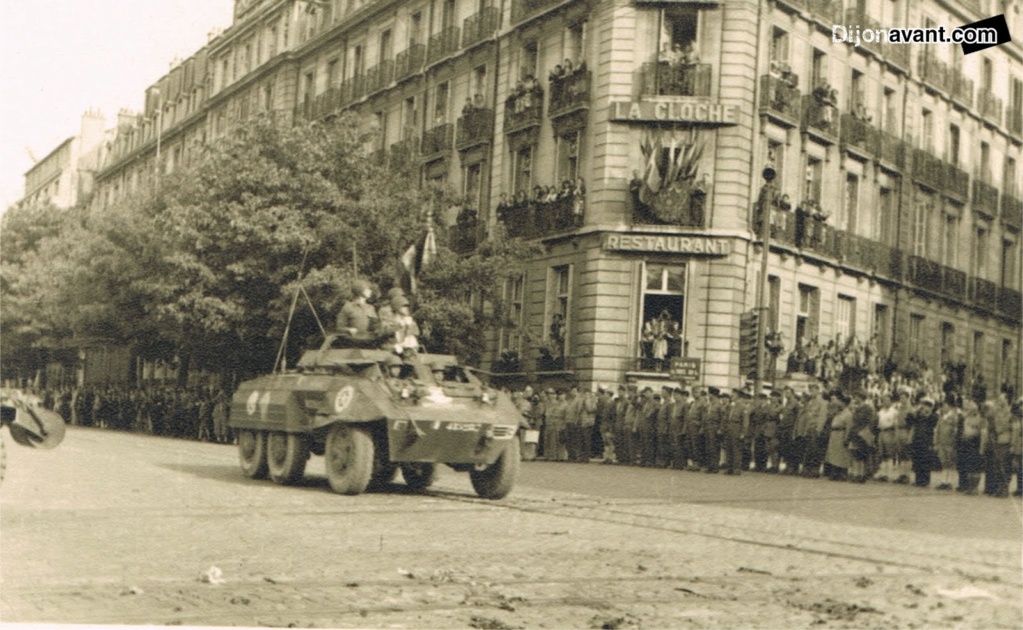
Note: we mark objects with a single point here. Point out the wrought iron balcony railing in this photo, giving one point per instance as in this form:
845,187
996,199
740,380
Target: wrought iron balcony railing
780,95
444,43
829,11
856,17
936,72
409,61
1010,303
1014,119
983,293
523,109
475,127
962,89
985,197
522,9
1012,211
990,107
570,92
892,150
438,140
353,89
462,236
534,218
820,111
897,54
861,134
379,76
661,78
480,26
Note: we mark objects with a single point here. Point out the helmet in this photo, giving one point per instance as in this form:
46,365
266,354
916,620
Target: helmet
359,287
392,359
399,301
394,292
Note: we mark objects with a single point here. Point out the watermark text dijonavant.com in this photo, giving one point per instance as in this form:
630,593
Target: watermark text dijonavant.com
985,33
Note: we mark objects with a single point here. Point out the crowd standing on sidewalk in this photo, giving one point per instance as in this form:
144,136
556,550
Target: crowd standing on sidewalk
197,413
910,429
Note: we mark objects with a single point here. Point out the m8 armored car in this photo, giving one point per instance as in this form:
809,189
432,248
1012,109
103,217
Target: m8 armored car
369,413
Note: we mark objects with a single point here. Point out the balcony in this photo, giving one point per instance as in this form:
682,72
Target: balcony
892,150
779,96
437,141
957,182
379,76
475,127
326,103
570,92
480,26
855,17
404,151
860,134
409,61
353,89
535,218
827,11
794,6
820,113
924,273
928,169
897,54
953,283
1010,303
462,235
660,78
962,90
522,9
1012,211
936,72
524,108
442,44
985,198
990,107
983,293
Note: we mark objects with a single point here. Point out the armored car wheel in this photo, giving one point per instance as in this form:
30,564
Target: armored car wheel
349,454
252,453
286,456
419,475
496,480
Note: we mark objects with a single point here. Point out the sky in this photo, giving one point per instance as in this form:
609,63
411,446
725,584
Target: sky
59,58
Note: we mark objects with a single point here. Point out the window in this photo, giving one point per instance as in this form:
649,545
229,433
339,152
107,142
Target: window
309,88
857,94
575,42
779,45
1009,275
514,290
448,14
415,29
472,178
948,332
440,103
272,43
984,169
920,216
852,201
916,331
358,60
479,85
980,245
522,169
882,214
333,78
986,76
818,69
679,30
1007,364
882,330
776,157
891,112
845,318
529,58
386,47
927,130
807,317
951,239
977,359
953,145
1010,185
662,333
559,294
409,117
568,156
812,184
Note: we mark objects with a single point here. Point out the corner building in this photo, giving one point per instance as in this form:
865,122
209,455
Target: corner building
630,137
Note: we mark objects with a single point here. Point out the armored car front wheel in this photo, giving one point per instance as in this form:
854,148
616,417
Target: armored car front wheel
419,475
286,456
349,455
252,453
496,480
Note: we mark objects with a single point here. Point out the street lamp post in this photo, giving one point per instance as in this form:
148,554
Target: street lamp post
765,204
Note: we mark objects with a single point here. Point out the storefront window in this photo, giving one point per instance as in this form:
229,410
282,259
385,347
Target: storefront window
661,335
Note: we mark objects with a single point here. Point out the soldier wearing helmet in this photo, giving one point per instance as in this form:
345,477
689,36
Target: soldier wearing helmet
358,315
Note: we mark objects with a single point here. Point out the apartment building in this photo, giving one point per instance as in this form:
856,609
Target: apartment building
630,137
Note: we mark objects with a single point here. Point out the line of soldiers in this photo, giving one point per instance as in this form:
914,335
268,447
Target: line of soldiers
198,413
901,436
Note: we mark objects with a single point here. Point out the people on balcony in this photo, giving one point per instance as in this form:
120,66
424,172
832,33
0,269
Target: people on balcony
827,100
551,208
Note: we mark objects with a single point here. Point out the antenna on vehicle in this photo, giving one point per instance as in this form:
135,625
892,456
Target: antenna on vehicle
280,360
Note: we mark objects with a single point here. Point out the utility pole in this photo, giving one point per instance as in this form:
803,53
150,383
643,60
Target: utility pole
765,203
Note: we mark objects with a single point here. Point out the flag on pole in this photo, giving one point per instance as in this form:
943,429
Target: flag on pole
418,256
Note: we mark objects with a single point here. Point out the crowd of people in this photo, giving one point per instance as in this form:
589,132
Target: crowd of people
197,413
906,429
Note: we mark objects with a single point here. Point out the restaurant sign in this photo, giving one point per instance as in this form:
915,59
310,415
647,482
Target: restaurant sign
704,245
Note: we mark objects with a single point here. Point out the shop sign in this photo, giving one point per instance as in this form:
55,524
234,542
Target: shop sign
674,111
704,245
685,369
